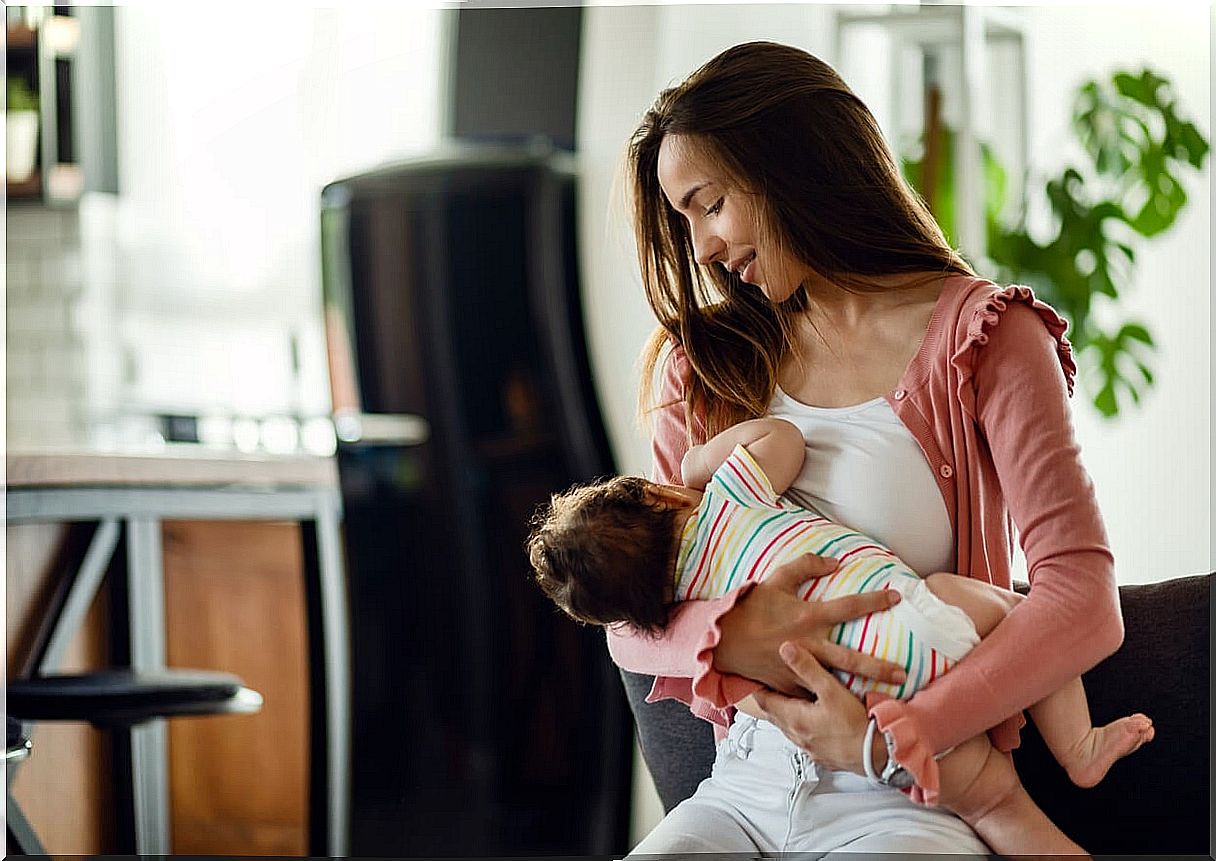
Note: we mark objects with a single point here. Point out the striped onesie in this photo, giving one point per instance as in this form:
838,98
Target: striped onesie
742,530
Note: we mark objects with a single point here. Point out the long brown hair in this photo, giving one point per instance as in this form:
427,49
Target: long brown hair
782,128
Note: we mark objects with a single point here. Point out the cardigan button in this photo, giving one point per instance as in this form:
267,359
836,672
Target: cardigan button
900,393
946,471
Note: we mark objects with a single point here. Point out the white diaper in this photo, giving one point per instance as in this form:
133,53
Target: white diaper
932,621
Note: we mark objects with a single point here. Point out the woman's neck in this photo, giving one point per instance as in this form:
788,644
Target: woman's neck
832,307
850,347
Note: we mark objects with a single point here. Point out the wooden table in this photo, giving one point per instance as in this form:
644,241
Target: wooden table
131,494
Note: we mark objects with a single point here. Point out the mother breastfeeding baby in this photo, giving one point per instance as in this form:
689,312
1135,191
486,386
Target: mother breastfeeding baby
795,275
624,549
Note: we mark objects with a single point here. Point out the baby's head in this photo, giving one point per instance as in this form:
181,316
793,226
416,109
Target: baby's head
606,552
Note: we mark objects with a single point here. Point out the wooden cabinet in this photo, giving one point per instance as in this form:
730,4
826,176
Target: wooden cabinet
63,787
234,601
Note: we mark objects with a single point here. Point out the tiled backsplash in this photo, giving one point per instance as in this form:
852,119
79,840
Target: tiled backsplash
46,375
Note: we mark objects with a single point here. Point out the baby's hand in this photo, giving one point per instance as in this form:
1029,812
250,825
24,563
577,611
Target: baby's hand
692,469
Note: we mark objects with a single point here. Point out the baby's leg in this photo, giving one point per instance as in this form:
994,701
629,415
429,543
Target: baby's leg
980,785
987,605
1062,717
1086,751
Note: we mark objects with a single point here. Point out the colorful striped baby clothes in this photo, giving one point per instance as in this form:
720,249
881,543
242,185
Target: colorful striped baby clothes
742,530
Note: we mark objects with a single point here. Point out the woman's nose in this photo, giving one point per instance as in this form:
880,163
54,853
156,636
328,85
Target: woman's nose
708,249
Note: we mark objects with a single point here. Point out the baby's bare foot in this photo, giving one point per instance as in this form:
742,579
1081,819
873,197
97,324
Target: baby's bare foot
1103,746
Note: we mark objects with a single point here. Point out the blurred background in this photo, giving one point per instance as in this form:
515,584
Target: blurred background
395,235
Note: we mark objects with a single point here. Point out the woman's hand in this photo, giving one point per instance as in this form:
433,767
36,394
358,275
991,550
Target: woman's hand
772,614
831,725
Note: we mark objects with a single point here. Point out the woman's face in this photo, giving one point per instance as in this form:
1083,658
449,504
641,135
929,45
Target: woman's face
723,222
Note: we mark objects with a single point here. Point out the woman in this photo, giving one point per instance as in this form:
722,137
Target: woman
793,272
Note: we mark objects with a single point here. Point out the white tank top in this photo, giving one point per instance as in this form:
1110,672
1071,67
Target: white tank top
864,469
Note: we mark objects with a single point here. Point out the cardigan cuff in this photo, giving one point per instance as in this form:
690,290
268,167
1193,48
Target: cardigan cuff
911,751
719,689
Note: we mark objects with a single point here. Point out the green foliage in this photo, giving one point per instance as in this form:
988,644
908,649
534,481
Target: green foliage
1137,142
20,96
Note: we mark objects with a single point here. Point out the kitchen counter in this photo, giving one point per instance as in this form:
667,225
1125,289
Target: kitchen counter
175,465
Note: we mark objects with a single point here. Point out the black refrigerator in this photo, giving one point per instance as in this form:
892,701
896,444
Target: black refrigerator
484,722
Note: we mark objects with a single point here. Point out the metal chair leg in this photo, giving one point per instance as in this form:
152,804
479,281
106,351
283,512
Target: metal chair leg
21,837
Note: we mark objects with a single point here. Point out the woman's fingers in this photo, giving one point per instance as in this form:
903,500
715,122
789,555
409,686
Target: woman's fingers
848,660
855,606
801,660
830,727
787,712
789,684
791,575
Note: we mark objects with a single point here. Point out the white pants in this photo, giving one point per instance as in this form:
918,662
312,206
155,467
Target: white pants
765,795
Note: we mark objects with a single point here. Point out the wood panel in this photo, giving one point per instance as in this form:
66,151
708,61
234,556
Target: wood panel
234,597
63,788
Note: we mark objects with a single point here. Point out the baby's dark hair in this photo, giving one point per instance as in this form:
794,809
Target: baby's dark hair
606,552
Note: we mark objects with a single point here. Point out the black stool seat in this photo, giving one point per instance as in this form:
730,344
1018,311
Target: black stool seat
120,696
18,746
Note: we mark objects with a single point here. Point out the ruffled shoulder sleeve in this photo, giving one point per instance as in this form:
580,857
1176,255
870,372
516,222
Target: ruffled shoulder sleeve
981,313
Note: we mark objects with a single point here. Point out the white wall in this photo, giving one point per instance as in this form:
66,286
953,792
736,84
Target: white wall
228,127
1152,467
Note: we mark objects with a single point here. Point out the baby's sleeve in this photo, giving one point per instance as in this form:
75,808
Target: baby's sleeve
742,480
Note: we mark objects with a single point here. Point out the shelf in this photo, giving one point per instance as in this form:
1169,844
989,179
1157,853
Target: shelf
28,188
928,25
21,37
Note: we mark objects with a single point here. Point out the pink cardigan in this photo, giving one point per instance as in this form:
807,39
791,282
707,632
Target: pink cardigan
986,397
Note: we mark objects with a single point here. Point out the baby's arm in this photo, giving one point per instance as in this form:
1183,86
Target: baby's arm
776,445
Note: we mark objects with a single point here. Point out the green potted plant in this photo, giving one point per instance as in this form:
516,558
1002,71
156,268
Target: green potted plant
20,130
1139,145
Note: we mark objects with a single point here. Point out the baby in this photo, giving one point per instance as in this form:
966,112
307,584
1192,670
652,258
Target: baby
625,549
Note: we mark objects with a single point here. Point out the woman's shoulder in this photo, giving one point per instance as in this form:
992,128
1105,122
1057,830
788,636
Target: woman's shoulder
971,307
974,310
675,372
966,296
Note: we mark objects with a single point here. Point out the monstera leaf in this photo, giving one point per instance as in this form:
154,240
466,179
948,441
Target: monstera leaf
1138,142
1134,134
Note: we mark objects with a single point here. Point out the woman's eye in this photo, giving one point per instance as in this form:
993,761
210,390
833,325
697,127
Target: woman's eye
716,208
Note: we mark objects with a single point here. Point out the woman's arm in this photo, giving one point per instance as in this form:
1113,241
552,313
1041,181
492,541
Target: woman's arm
1070,620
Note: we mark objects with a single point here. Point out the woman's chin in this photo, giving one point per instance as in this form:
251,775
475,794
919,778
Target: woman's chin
777,295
